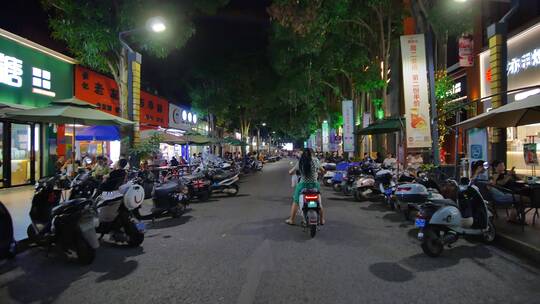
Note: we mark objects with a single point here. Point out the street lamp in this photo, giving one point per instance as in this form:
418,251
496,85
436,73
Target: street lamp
156,24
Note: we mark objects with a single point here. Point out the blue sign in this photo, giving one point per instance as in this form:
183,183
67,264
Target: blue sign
476,151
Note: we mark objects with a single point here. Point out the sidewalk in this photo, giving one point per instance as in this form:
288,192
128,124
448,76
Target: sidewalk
18,201
513,238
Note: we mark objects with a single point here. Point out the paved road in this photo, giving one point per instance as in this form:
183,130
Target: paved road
238,250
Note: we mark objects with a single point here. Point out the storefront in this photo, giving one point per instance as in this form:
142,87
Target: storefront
30,76
523,70
182,121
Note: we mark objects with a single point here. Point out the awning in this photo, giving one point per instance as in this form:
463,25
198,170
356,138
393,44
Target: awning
99,133
10,107
234,142
514,114
387,125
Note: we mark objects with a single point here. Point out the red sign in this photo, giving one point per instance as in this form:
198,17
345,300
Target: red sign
97,89
102,91
154,111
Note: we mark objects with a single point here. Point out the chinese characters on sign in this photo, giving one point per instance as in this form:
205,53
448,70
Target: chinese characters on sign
415,89
525,61
466,56
348,126
10,71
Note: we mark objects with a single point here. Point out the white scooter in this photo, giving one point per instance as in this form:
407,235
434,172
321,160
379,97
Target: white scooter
441,222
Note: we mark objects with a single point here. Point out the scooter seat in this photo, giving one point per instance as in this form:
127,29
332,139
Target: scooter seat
310,191
67,204
444,202
164,189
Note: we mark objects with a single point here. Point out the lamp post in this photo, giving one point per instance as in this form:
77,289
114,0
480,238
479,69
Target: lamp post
259,136
130,72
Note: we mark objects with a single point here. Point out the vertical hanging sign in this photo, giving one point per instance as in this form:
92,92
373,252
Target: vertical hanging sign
325,137
348,126
466,53
415,91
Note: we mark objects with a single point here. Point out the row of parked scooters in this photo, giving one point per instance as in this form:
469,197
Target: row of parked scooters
462,211
73,215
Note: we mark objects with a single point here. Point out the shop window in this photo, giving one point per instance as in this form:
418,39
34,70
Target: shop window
85,85
150,104
85,75
159,108
142,103
109,108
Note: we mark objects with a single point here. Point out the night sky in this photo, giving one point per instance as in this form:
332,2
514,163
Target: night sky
241,26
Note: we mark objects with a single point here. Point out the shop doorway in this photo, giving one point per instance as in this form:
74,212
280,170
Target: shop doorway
19,145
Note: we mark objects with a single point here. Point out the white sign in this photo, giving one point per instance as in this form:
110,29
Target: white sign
466,55
521,63
10,71
477,145
415,91
325,137
176,118
348,126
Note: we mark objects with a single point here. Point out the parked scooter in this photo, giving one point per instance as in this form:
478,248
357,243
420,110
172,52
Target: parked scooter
8,246
441,222
69,225
385,180
349,178
410,196
365,187
115,206
198,185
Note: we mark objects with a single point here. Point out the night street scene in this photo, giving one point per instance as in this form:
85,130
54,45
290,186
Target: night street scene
269,151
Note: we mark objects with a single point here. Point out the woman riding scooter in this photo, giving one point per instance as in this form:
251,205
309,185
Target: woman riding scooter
308,167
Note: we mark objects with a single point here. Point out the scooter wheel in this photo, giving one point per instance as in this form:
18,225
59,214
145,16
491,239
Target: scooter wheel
234,190
85,253
312,230
432,244
135,237
31,232
490,234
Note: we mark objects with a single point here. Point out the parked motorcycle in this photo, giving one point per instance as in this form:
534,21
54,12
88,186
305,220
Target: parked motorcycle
83,185
365,187
115,206
410,196
69,225
385,180
223,182
441,222
198,185
310,201
168,198
349,178
8,246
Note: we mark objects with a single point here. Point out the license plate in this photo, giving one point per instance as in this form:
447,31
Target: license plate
420,223
312,205
141,226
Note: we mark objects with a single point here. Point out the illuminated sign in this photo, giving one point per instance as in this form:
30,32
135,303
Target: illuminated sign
10,71
180,118
523,66
523,62
32,75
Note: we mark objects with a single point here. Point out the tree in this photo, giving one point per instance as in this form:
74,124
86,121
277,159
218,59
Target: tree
91,29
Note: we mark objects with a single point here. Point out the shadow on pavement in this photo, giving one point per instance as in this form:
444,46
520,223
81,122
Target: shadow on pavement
405,269
333,233
37,278
169,222
375,207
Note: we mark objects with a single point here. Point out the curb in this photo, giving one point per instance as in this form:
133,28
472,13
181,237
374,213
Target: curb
514,245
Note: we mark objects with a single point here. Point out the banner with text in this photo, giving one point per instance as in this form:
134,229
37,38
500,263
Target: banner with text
415,91
348,126
325,137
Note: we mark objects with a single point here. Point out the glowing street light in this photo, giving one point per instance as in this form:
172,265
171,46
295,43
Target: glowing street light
156,24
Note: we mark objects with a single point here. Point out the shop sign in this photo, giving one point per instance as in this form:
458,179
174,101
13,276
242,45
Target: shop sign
325,137
348,126
180,118
415,91
477,145
529,154
32,76
523,65
466,56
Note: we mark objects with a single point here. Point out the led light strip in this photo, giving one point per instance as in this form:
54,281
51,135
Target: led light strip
43,92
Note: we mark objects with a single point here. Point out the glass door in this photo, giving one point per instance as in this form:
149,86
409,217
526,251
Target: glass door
21,154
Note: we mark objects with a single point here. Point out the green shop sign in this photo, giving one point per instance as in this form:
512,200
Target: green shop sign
31,74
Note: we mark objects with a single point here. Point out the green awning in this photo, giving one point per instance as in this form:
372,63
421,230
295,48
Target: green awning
234,142
387,125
